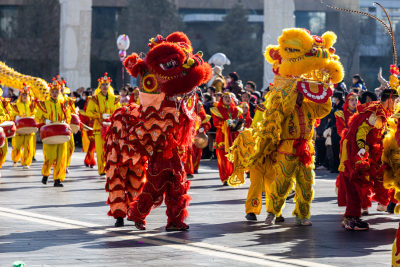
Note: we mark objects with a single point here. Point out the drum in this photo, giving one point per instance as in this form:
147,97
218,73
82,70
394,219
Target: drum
55,133
9,128
75,123
201,140
26,125
3,139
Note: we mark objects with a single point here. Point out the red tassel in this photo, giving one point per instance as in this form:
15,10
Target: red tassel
303,151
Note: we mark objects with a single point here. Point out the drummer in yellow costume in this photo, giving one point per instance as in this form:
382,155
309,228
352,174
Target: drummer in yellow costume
100,108
4,116
53,110
69,104
24,107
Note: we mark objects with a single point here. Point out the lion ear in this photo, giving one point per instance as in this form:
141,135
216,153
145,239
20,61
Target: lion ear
179,37
272,54
329,39
134,65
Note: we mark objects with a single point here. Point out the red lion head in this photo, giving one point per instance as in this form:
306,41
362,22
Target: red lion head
170,66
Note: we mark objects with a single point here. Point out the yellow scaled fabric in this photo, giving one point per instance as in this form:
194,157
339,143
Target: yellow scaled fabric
97,106
54,155
288,170
23,142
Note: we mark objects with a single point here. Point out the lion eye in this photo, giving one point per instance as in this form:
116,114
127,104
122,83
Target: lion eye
291,50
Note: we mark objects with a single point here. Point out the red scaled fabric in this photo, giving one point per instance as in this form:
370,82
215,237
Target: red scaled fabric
357,170
223,135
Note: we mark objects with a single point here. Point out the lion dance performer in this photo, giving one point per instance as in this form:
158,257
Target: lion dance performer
24,107
100,107
54,110
342,125
279,150
69,103
193,153
88,143
144,143
227,119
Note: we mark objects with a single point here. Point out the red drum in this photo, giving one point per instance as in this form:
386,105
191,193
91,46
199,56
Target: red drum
9,128
75,123
2,137
26,126
55,133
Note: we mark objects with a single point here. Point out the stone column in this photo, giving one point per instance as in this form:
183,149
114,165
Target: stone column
75,36
278,15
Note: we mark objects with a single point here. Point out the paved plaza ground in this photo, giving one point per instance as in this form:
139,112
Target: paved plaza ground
46,226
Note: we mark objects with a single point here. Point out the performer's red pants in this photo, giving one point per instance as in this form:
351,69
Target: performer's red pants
163,182
225,167
90,159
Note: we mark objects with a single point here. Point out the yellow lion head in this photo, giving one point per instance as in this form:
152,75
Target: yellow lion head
307,56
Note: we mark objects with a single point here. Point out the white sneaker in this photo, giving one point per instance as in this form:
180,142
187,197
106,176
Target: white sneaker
381,207
25,167
302,222
270,220
14,164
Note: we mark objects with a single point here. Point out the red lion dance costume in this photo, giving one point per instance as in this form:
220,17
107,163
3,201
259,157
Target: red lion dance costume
145,143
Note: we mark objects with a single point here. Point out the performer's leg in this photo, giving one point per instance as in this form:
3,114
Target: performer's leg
225,167
70,149
189,161
254,195
353,205
284,170
150,197
27,153
197,153
17,143
382,195
304,191
34,146
90,159
3,153
100,152
61,162
50,156
177,200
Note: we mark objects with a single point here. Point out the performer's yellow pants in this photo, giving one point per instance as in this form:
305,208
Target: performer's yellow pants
288,170
34,146
24,143
101,163
3,153
261,177
70,149
55,156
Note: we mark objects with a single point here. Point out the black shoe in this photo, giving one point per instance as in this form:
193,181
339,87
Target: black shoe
33,159
196,172
291,195
251,217
57,183
279,219
189,175
44,179
140,226
225,183
91,166
119,222
355,224
87,165
390,207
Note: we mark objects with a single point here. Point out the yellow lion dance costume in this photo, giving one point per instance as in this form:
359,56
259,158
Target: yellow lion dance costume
278,151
